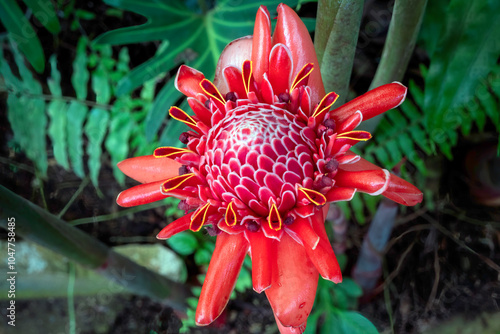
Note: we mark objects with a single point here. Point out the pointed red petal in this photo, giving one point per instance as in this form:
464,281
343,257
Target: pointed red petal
371,103
228,256
322,256
261,44
147,168
294,283
141,194
280,68
263,252
293,33
398,190
177,226
188,81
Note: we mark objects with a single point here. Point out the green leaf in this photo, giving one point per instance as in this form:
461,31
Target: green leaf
184,243
45,13
167,96
101,85
117,141
81,75
77,113
350,287
202,257
57,111
26,114
22,33
354,323
95,129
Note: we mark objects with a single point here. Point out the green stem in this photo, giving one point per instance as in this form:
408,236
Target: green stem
71,298
327,11
338,58
37,225
74,197
401,38
118,214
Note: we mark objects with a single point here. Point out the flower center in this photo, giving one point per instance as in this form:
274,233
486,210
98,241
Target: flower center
258,155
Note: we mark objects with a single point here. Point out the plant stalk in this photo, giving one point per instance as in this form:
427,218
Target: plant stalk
39,226
338,57
403,32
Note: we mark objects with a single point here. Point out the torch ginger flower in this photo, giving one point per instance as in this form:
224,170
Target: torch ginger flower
264,158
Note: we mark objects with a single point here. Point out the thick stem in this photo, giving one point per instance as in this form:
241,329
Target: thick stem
368,268
401,38
327,11
39,226
338,58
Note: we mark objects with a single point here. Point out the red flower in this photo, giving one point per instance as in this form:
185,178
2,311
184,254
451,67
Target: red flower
264,158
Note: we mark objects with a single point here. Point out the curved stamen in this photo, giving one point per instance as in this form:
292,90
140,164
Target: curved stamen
274,218
175,182
301,77
230,215
180,115
246,73
326,102
170,152
199,218
355,135
313,196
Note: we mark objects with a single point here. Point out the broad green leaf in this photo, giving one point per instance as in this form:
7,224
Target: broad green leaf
22,33
350,287
358,208
174,128
77,113
95,129
465,54
167,97
81,75
45,13
354,323
184,243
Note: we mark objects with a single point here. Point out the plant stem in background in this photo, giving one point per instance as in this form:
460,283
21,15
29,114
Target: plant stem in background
327,11
339,226
338,57
39,226
368,268
401,38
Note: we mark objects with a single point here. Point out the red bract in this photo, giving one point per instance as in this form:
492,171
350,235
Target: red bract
265,156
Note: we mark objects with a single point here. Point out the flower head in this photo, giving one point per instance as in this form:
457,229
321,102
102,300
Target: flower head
263,159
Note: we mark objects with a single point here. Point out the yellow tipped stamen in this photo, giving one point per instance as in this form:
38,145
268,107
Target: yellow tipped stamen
313,196
355,135
199,218
212,91
326,102
175,182
230,215
246,72
170,152
303,73
180,115
274,218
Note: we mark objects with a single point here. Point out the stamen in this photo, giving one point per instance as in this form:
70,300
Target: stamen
212,91
231,96
183,170
301,77
252,226
213,230
181,116
355,135
284,97
326,182
175,182
246,72
183,205
330,124
332,165
325,104
199,218
313,196
170,152
207,104
184,138
274,218
288,220
230,215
